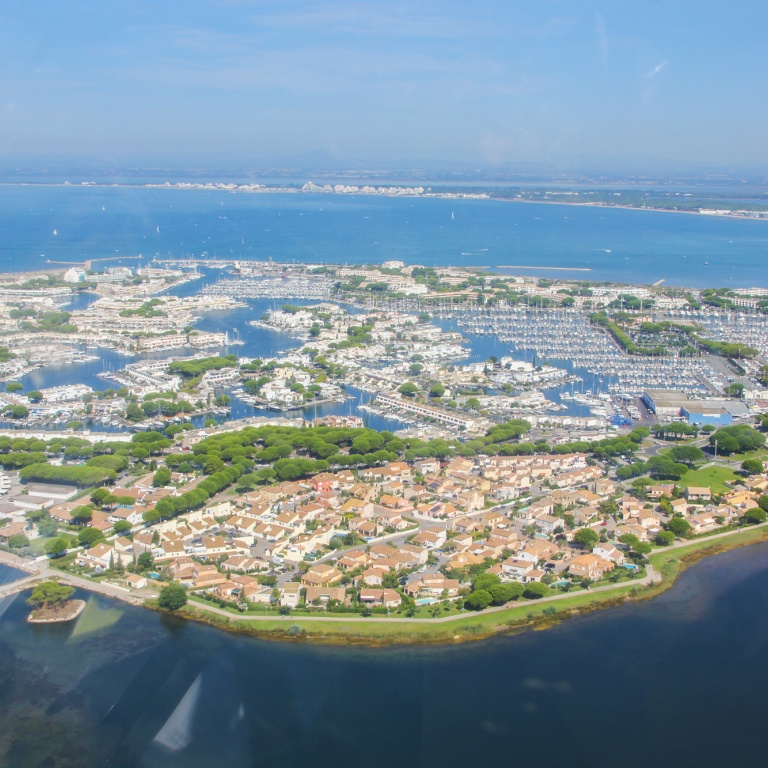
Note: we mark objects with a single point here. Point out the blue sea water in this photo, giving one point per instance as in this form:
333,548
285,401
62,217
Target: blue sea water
673,682
64,224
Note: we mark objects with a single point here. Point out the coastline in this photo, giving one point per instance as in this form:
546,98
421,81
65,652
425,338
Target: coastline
666,565
430,195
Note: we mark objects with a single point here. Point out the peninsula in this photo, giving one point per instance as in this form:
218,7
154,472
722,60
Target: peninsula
510,494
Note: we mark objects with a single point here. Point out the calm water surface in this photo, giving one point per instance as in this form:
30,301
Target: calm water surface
76,223
678,681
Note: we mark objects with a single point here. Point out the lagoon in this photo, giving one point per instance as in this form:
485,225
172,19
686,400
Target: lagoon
677,681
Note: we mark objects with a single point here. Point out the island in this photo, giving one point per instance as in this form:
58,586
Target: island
51,603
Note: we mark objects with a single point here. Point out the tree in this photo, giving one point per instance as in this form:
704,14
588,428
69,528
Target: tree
629,539
35,396
437,390
145,561
643,547
17,541
503,593
47,527
50,594
739,438
56,547
752,466
82,514
679,527
478,600
485,581
409,389
150,516
122,526
665,538
13,386
586,538
535,590
172,597
19,412
755,516
161,478
687,454
89,536
99,497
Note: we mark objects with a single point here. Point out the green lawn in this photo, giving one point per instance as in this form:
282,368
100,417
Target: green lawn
711,477
389,630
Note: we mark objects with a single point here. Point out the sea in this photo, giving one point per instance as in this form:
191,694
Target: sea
46,226
674,682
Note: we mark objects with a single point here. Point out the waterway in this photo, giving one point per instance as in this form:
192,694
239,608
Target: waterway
677,681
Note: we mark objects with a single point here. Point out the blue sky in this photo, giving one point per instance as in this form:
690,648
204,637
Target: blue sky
566,85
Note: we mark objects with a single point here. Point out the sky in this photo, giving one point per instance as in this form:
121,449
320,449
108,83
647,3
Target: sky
568,86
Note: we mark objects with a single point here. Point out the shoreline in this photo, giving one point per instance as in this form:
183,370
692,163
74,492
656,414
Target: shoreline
54,616
665,566
430,195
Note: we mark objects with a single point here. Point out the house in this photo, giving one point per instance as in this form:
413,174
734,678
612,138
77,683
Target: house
351,560
373,576
703,522
608,551
206,576
679,506
324,481
367,529
290,594
463,560
99,557
321,575
549,524
649,520
12,529
696,493
516,569
135,581
636,530
386,598
324,595
428,467
659,491
590,566
432,585
431,538
537,550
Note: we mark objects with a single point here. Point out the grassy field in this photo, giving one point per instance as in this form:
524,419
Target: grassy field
711,477
387,631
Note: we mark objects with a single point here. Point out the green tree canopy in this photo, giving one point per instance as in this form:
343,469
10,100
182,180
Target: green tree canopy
50,594
478,600
172,597
586,538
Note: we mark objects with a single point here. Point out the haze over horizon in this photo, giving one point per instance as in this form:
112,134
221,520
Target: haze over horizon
551,86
